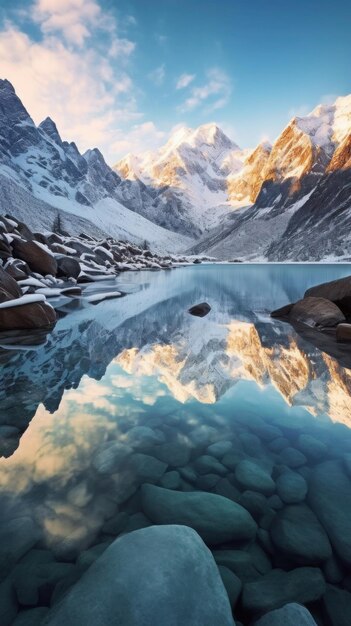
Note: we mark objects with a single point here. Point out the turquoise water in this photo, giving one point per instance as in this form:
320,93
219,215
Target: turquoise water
68,407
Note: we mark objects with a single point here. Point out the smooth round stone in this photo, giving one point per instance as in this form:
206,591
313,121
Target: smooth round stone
216,519
292,457
251,444
259,558
278,587
171,480
225,488
207,464
143,579
110,457
137,521
291,487
239,562
8,603
231,459
143,436
219,449
207,481
232,584
289,615
251,476
146,468
116,524
313,449
17,536
278,444
337,606
296,531
175,454
255,503
329,496
203,435
188,473
332,571
275,502
267,432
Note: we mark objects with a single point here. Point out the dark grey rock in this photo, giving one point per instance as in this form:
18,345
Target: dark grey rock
200,310
296,531
329,496
316,312
337,606
289,615
147,578
251,476
278,587
291,487
215,518
232,584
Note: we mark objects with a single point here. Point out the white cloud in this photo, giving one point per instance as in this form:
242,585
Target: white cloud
157,75
184,80
74,19
214,93
139,138
76,76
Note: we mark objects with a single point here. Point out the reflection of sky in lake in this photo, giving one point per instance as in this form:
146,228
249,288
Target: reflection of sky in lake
143,361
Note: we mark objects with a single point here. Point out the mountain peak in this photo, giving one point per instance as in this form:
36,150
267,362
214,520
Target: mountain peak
49,127
5,85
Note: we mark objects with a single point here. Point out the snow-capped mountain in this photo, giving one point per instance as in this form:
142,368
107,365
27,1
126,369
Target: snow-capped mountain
42,175
301,194
192,173
199,192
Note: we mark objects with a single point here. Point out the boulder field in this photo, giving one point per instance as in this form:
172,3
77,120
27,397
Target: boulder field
56,266
197,531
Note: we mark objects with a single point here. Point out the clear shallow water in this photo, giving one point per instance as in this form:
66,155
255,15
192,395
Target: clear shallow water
70,406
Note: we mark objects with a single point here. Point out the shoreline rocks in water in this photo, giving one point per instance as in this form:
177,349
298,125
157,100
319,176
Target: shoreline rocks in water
325,308
60,266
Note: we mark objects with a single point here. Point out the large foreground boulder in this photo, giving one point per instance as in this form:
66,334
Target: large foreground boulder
316,312
38,259
8,287
157,576
215,518
336,290
27,312
289,615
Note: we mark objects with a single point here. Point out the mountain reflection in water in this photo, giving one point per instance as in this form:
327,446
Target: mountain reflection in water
143,360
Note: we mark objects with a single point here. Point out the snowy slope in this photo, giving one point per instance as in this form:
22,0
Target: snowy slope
37,164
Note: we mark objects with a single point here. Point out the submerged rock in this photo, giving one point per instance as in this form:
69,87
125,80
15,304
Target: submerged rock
289,615
200,310
329,496
296,531
152,577
251,476
277,588
291,487
337,606
215,518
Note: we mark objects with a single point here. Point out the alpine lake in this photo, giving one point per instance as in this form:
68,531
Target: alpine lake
113,420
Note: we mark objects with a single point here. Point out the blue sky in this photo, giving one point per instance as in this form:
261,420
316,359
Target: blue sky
121,75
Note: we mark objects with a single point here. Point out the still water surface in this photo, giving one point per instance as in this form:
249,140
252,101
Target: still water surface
143,361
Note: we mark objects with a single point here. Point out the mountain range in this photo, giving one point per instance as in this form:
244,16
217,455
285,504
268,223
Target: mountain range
200,192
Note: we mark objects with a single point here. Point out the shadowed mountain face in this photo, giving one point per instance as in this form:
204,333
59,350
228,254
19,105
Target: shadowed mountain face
150,335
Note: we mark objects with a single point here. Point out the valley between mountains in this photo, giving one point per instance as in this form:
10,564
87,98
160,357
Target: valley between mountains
198,194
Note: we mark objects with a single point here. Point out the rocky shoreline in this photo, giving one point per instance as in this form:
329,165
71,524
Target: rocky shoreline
36,268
